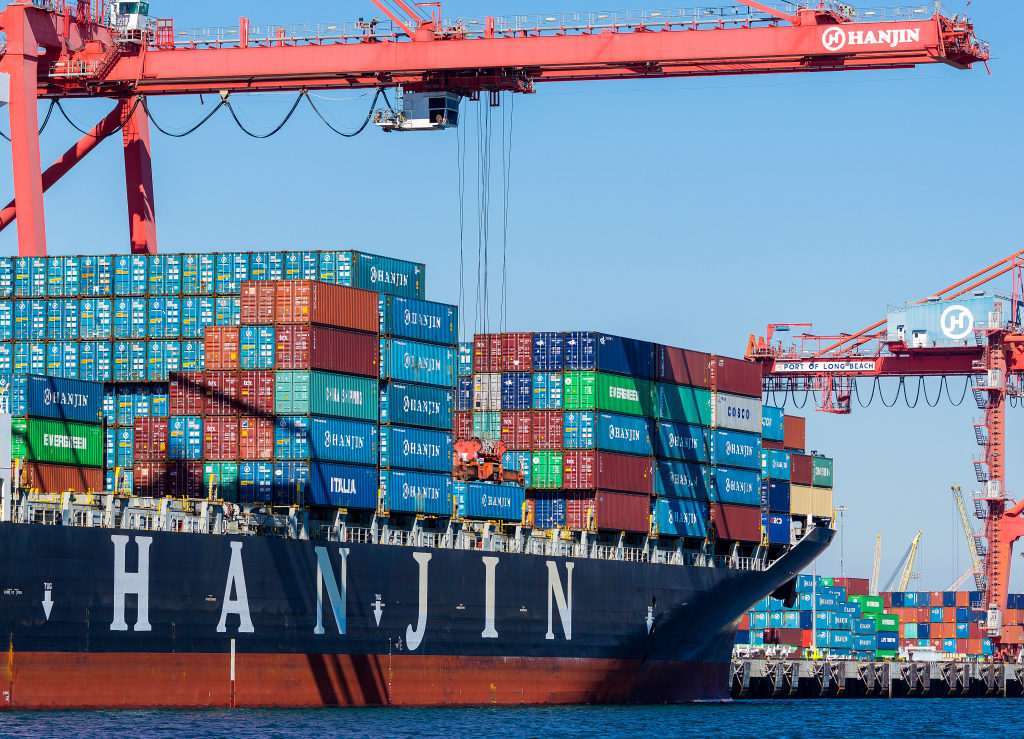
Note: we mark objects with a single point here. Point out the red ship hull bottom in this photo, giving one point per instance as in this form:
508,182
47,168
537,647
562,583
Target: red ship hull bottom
74,680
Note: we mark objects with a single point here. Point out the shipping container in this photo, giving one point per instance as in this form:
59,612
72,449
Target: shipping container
681,404
548,509
686,480
185,438
682,442
227,310
300,265
736,412
487,353
186,393
463,426
626,434
778,528
737,449
256,393
821,472
775,464
258,303
408,318
772,423
487,501
232,270
609,511
6,320
220,393
586,350
736,522
291,482
95,319
6,277
130,274
356,442
256,482
220,438
682,367
256,347
150,479
64,442
150,439
546,429
222,348
687,518
740,377
30,275
518,461
794,429
801,469
516,429
325,348
775,496
487,389
487,425
255,438
412,361
547,391
807,501
164,317
464,393
62,399
291,437
382,274
96,275
548,352
516,353
30,317
737,487
465,350
220,481
309,302
589,470
342,486
62,319
193,356
578,430
415,449
417,492
59,478
546,470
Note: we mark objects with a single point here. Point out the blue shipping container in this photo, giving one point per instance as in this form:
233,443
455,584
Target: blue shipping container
125,448
414,361
415,449
291,437
417,405
775,496
549,507
291,479
228,311
778,527
343,440
775,464
94,318
547,391
255,482
674,479
737,449
69,400
6,277
417,492
680,441
96,276
516,391
342,486
585,350
626,434
518,461
383,274
772,423
674,517
578,430
185,440
548,352
741,487
192,356
487,501
422,320
256,347
464,393
465,350
62,319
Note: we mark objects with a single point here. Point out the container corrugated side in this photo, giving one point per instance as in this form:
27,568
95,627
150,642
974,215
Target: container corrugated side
794,433
682,442
410,448
342,486
626,434
736,412
682,366
58,478
772,423
738,376
821,472
487,501
64,442
343,440
737,449
420,320
686,518
686,480
775,464
343,396
417,492
736,522
682,404
383,274
417,362
70,400
737,486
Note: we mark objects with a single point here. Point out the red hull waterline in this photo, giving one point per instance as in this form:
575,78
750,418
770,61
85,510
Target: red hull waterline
69,680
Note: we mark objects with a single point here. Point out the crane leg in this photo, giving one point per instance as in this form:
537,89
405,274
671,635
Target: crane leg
138,171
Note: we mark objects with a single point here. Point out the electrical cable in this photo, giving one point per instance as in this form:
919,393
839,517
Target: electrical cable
121,125
276,129
46,119
881,395
967,381
460,164
193,129
916,397
938,396
366,121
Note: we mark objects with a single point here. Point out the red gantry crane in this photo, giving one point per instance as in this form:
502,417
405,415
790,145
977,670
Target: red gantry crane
58,49
960,331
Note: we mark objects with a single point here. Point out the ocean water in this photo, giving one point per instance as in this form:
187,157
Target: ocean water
837,719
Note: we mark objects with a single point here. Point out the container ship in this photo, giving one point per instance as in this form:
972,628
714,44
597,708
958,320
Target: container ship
235,483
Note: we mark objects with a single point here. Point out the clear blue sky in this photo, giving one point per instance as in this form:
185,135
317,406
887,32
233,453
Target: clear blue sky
691,212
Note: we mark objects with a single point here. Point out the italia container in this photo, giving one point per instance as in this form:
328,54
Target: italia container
414,361
775,496
342,486
736,486
185,438
589,470
585,350
686,518
415,449
548,352
420,320
775,464
772,423
736,412
417,492
382,274
737,449
681,404
298,392
682,442
67,400
686,480
308,302
64,442
489,502
416,405
326,348
60,478
255,482
682,367
344,440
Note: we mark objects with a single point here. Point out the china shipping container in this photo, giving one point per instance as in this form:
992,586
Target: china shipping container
821,468
737,486
548,352
59,478
413,361
588,470
255,438
309,302
325,348
685,480
794,433
95,361
610,511
416,449
516,429
352,442
417,492
342,486
686,518
420,320
736,522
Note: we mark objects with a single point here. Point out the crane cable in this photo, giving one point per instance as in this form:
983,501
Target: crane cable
789,391
46,119
460,165
506,179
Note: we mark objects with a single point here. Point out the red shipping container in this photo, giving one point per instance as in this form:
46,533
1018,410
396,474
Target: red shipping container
463,425
935,599
61,478
325,348
220,394
794,433
922,614
963,598
738,376
736,522
487,353
608,511
255,438
949,615
789,637
807,638
974,645
546,430
961,646
770,444
222,347
516,352
220,438
256,393
150,480
258,300
515,430
578,469
1013,634
185,479
585,469
745,622
853,585
682,366
531,511
801,469
149,440
185,393
974,630
886,598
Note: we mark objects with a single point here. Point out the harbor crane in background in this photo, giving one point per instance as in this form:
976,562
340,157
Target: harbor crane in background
975,545
987,352
63,49
873,587
905,567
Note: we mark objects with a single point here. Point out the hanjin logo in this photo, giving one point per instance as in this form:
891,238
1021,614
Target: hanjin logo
957,322
834,38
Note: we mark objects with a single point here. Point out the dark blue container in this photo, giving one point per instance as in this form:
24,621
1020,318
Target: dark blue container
578,430
516,391
898,600
737,449
549,509
255,482
185,438
290,479
963,614
741,487
422,320
924,630
96,276
408,448
464,396
890,641
963,631
585,350
682,442
686,480
626,434
975,599
343,440
949,599
674,517
342,486
772,423
417,492
548,352
256,347
66,400
291,437
490,502
416,405
94,318
775,496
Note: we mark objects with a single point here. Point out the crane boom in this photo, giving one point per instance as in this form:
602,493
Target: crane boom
908,568
877,564
978,568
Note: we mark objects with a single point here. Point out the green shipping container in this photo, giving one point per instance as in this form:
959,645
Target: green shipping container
226,474
299,393
885,621
64,442
588,391
578,390
869,604
487,425
691,405
18,433
885,654
822,472
826,582
546,470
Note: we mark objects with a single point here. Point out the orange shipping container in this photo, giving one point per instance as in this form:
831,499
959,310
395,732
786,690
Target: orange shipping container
963,598
794,433
974,646
935,600
949,615
309,301
222,347
60,478
1013,634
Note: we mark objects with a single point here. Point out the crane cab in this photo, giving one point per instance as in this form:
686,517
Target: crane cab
129,16
422,111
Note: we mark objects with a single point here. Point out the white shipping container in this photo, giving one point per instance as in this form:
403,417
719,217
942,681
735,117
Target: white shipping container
736,412
487,391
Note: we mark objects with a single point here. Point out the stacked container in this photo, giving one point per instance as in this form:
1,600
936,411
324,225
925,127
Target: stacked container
418,350
952,622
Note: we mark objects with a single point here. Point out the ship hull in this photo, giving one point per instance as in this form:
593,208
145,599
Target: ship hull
101,618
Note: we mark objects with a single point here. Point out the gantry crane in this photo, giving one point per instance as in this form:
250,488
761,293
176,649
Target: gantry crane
91,48
905,567
987,351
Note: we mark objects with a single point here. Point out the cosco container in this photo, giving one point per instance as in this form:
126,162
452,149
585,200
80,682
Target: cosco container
343,440
626,434
256,482
586,350
548,352
412,361
772,423
821,472
408,318
64,442
415,449
516,391
382,274
775,464
736,412
29,358
342,486
488,501
674,479
734,486
227,311
517,461
682,442
775,496
96,276
162,358
417,492
688,518
737,449
30,317
416,405
266,266
95,318
66,400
